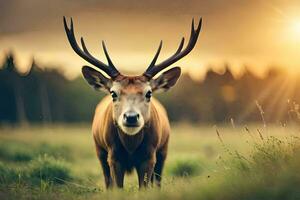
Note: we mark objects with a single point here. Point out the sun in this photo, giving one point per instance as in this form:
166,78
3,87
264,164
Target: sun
295,26
294,29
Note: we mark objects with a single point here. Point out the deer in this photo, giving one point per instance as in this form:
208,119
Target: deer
131,129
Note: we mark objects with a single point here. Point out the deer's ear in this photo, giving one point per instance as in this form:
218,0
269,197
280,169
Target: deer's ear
96,79
166,80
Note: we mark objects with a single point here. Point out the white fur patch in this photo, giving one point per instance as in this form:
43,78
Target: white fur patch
130,102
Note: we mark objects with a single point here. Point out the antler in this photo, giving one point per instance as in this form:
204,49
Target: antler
153,69
110,69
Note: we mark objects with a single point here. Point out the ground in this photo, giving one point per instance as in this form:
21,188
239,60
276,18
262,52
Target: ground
204,162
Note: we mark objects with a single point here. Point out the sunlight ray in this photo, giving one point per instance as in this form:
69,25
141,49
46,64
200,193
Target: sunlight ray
275,99
264,94
288,95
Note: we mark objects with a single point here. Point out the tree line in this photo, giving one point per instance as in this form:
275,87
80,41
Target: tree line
44,95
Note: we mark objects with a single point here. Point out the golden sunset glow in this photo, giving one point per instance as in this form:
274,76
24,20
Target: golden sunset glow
295,28
150,99
255,34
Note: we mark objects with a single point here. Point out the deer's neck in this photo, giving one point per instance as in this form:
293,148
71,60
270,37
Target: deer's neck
131,142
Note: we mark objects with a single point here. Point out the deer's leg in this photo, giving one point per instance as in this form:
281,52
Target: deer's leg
116,169
145,170
102,156
159,165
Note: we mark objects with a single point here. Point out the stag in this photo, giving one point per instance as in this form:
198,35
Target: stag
130,128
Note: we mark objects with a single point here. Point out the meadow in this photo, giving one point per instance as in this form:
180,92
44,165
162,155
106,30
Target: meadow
204,162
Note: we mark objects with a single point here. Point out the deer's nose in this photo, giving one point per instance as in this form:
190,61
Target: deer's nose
131,118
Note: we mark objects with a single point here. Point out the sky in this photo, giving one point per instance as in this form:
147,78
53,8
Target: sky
257,33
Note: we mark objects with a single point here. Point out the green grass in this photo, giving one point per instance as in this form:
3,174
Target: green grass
19,151
15,151
59,162
49,169
45,169
7,174
185,168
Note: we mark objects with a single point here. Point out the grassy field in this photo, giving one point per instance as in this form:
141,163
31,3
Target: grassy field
204,162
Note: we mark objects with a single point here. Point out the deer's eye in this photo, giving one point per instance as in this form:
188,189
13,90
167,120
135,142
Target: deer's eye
148,95
114,95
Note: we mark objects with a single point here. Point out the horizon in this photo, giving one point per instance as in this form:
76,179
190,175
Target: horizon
219,70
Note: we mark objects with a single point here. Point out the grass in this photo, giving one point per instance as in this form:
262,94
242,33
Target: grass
15,151
7,174
49,169
59,162
185,168
42,169
18,151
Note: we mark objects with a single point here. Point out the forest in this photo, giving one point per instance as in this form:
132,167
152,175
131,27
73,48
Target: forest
45,95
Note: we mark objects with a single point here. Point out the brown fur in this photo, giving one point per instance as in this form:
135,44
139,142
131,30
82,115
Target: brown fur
119,153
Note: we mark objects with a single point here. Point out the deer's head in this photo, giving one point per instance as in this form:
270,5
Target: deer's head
131,95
